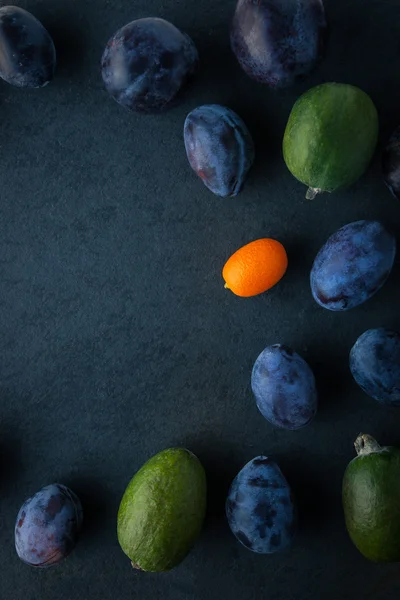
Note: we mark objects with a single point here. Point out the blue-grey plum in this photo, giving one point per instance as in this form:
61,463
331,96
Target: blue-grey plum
219,148
260,507
27,53
147,63
353,265
48,526
375,364
284,387
391,164
278,42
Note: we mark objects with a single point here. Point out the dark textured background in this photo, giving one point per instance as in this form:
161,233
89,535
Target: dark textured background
117,337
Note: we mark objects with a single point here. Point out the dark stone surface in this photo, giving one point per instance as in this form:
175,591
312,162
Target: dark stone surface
118,339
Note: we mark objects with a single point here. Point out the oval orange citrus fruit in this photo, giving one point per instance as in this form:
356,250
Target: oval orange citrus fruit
255,268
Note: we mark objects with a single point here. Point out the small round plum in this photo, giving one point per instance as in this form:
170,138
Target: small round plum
284,387
27,52
48,525
278,42
391,163
260,507
219,148
352,265
375,365
146,65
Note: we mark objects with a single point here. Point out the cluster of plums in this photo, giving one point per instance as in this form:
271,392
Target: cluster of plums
148,63
145,67
260,507
349,269
284,386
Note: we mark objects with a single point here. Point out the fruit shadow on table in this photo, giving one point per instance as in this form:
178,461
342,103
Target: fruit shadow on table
98,502
11,455
221,468
71,41
259,115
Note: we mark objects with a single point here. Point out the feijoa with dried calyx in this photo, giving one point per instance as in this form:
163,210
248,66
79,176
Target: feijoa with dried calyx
371,500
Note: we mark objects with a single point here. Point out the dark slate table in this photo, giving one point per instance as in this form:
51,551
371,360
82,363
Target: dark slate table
118,339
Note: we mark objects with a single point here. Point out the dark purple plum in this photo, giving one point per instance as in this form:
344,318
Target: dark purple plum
147,63
260,507
284,387
391,164
353,265
219,148
375,364
48,526
27,53
278,42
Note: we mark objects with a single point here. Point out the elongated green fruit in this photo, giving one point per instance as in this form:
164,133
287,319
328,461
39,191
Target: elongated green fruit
371,500
162,510
330,137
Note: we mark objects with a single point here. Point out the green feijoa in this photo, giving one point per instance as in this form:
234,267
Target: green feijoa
371,500
162,510
330,137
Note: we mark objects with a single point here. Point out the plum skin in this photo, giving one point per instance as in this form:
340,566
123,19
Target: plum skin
284,387
375,364
352,265
147,63
27,52
278,42
260,507
219,148
391,164
48,525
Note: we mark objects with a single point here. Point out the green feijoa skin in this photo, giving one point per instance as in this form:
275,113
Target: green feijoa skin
371,500
162,510
330,137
